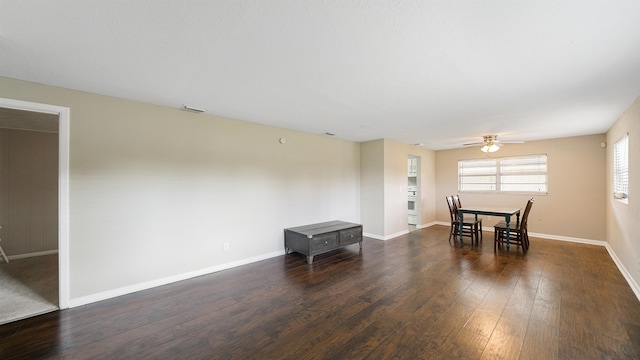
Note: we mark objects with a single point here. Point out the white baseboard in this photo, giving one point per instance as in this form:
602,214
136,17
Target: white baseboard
388,237
404,232
39,253
424,226
632,283
373,236
567,238
171,279
168,280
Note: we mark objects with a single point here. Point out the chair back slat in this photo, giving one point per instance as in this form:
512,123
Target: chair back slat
452,208
525,216
456,201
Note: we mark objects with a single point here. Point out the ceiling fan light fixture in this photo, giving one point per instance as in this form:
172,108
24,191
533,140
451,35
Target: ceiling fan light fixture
489,145
490,148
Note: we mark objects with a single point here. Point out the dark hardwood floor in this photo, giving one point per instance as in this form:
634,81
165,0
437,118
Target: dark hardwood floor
413,297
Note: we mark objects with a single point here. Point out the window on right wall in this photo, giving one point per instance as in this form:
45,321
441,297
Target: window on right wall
621,168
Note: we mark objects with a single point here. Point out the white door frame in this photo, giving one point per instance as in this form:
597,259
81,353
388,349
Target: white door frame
63,187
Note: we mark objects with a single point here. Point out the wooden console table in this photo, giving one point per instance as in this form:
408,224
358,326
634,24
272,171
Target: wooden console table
315,239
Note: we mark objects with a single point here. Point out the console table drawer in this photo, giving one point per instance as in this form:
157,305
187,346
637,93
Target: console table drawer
324,242
350,236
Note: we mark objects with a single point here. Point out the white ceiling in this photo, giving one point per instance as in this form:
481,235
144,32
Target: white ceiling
440,73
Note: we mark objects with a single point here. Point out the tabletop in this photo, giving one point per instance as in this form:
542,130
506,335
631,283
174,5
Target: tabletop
489,210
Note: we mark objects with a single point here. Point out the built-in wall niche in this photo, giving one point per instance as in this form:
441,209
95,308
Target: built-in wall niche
412,166
413,189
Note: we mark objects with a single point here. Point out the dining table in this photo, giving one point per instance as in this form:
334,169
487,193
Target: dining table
506,212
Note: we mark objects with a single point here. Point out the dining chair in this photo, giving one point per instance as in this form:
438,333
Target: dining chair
518,232
469,227
458,204
4,256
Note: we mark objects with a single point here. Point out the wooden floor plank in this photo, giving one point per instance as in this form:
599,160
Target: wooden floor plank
413,297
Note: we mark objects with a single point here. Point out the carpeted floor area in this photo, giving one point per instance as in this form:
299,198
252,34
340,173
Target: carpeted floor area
28,287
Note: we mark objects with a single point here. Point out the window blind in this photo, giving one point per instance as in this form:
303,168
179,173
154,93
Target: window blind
512,174
621,168
524,173
477,175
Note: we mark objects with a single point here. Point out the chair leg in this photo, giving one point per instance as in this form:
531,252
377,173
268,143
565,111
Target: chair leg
4,256
476,229
473,231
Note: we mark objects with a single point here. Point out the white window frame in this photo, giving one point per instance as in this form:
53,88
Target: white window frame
480,171
621,169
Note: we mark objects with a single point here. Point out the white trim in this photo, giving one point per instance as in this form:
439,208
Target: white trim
538,235
168,280
63,187
159,282
632,283
388,237
568,238
424,226
29,255
373,236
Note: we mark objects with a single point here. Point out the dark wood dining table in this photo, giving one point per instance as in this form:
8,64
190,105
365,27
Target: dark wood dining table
506,212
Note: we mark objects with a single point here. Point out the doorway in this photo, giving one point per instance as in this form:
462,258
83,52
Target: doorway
62,114
413,192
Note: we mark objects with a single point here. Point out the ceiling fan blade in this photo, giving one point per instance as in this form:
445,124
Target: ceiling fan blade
493,139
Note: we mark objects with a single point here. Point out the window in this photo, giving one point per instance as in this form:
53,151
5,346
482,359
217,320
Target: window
511,175
621,168
477,175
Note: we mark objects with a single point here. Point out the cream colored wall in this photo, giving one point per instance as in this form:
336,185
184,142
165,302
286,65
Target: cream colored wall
28,191
384,187
155,191
575,204
372,187
428,198
623,218
395,188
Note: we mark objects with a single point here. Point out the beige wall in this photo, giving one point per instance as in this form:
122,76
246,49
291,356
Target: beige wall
28,191
155,191
575,204
372,187
384,187
623,218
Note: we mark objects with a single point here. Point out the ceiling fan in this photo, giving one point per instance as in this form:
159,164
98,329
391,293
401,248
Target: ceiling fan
490,143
